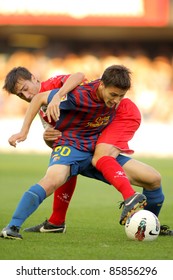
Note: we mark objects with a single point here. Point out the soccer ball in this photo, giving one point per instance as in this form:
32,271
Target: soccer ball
142,226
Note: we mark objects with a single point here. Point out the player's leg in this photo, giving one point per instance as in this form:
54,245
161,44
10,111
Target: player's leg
61,201
145,176
55,176
62,198
115,174
63,195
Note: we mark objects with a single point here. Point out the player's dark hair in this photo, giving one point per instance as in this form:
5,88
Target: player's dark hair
14,76
117,76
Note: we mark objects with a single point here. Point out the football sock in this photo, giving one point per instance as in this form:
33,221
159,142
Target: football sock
155,200
115,175
28,204
62,198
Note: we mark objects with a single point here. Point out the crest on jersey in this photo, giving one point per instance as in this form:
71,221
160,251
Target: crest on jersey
64,98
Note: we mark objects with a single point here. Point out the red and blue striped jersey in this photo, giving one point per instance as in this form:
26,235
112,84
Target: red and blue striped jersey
51,83
82,117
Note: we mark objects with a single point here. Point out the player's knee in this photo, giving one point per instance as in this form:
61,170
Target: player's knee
49,185
156,179
96,158
104,150
94,161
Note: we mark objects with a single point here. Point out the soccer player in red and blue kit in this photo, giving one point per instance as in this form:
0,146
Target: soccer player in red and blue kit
94,105
60,203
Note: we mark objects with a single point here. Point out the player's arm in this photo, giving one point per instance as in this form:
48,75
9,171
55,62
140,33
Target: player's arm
37,101
53,108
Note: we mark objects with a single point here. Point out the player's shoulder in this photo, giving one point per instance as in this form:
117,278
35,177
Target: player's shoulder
53,82
89,83
129,107
127,103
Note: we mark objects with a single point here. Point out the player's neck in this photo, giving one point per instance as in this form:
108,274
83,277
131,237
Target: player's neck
99,93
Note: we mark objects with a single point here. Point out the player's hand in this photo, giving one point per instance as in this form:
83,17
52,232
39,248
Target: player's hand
53,110
51,134
16,138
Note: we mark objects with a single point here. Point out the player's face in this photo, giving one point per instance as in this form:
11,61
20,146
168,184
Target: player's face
112,95
26,89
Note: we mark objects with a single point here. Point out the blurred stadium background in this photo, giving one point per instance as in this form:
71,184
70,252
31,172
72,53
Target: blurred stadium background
67,36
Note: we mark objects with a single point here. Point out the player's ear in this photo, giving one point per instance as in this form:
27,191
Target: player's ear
34,78
102,85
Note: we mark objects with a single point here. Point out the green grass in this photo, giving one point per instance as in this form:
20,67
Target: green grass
93,230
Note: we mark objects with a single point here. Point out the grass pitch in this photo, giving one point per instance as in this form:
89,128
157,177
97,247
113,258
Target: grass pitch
93,230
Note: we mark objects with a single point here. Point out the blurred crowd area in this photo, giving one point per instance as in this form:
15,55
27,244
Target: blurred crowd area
151,66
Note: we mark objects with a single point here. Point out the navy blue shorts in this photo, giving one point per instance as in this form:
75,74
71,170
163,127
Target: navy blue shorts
80,162
68,155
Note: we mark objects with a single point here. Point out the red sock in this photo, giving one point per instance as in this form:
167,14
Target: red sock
62,197
113,172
